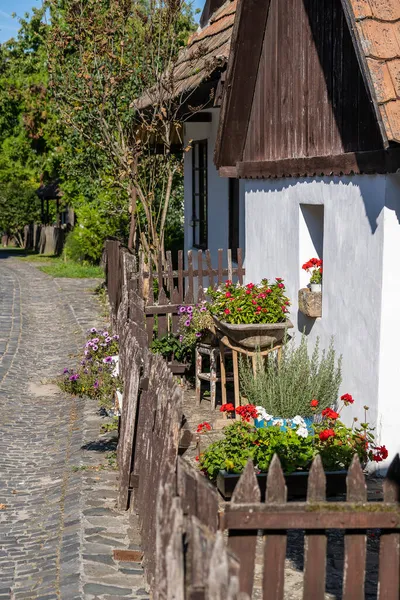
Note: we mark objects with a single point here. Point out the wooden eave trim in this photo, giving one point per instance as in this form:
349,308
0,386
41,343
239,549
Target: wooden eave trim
376,161
245,32
366,75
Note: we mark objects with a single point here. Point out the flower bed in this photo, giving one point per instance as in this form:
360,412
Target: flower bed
296,446
97,375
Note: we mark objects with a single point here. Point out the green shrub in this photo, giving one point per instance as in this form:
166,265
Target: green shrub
286,388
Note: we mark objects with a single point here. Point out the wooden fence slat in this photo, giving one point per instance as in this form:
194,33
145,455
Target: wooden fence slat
230,271
199,497
223,580
189,297
162,318
150,300
243,543
200,289
240,270
180,275
209,269
170,273
275,543
389,554
355,548
315,542
220,265
175,315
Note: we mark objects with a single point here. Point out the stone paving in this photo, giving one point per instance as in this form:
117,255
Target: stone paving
58,522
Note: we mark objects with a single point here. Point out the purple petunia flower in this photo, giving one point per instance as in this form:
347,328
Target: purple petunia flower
66,371
187,323
203,309
198,334
190,309
74,377
83,362
116,337
182,309
95,340
105,334
108,340
96,384
107,359
93,330
95,348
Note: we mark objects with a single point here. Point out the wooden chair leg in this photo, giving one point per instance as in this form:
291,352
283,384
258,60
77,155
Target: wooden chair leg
199,365
236,377
223,373
213,377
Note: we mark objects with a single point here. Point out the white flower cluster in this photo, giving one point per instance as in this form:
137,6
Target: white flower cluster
302,430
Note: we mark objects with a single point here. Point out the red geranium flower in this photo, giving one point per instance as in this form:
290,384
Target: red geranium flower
330,414
326,434
228,295
227,407
347,399
227,311
314,403
228,282
280,285
247,412
203,427
250,286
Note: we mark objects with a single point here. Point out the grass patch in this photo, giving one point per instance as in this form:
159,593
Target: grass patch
48,258
73,270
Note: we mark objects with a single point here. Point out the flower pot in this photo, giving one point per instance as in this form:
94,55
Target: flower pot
296,484
254,335
316,287
286,423
177,368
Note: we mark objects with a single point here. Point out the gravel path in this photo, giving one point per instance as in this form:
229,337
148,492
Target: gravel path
58,523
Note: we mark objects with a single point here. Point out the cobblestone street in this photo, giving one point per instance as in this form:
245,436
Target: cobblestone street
58,524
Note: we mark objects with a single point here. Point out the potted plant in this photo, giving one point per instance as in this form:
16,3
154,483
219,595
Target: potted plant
252,316
314,266
281,389
196,325
177,355
224,460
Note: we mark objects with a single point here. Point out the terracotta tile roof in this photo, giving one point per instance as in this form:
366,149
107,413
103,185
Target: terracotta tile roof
377,23
207,50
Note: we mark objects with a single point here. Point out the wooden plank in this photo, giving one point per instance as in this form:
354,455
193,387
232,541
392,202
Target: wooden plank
247,40
127,555
223,580
160,273
315,542
180,275
210,269
189,297
162,324
220,265
170,273
389,553
320,516
199,498
275,543
376,161
240,270
230,272
175,315
355,545
243,544
200,290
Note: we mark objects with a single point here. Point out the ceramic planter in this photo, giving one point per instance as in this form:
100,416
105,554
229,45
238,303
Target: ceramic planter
316,287
255,335
261,423
177,368
296,484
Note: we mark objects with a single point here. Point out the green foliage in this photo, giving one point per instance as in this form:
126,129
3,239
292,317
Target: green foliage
71,269
171,348
262,303
286,388
243,441
316,276
19,206
194,322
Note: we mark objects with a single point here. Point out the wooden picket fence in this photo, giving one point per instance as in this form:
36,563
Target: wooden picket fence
195,549
164,289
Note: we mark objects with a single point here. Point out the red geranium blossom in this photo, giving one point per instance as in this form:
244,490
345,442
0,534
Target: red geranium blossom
247,412
281,285
326,434
330,414
347,399
380,454
314,403
227,407
228,295
227,311
203,427
228,282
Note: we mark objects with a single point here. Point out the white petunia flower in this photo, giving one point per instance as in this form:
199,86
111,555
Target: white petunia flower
262,414
299,421
302,432
278,422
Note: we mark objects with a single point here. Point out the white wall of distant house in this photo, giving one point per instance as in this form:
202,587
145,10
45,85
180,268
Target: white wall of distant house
357,310
218,191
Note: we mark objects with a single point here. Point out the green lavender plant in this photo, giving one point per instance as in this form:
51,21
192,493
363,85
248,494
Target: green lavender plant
286,388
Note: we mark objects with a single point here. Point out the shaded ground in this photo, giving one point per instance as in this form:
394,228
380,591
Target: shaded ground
58,524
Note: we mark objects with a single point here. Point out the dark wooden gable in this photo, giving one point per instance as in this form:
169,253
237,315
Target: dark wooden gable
297,96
